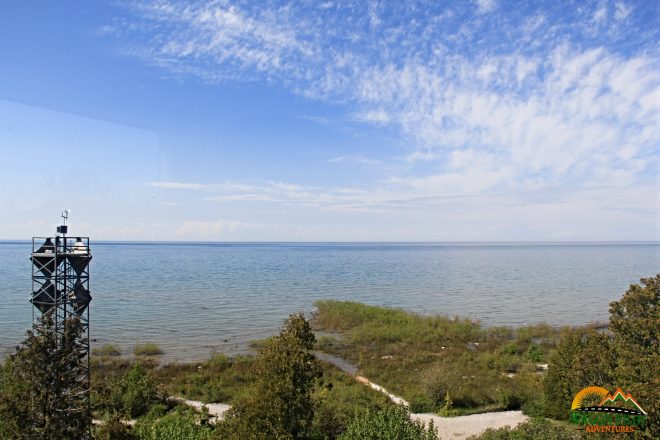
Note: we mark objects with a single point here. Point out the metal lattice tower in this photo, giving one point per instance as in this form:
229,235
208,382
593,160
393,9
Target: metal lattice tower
60,290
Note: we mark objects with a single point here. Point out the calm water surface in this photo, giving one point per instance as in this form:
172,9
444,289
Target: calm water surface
194,299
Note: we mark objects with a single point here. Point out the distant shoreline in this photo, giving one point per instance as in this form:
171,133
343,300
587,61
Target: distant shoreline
363,243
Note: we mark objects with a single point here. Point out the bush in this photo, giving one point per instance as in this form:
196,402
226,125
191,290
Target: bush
534,429
148,349
280,403
173,427
133,394
114,429
470,384
421,403
535,353
338,400
391,423
583,358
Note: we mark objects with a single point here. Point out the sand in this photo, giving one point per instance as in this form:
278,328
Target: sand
465,426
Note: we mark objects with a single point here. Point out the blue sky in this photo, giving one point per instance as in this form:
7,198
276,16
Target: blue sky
331,121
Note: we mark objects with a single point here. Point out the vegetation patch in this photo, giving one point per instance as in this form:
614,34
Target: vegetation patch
447,365
147,349
533,429
108,350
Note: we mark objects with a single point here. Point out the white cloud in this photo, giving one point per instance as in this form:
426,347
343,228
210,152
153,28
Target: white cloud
621,10
355,158
484,6
543,103
600,15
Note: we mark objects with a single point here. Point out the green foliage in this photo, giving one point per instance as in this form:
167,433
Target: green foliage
370,324
15,410
533,429
108,350
133,394
173,427
147,349
338,400
421,358
279,405
114,429
421,403
583,358
535,353
42,385
510,348
471,383
390,423
635,326
627,357
220,379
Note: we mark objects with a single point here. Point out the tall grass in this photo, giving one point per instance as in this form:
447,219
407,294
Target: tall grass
147,349
431,360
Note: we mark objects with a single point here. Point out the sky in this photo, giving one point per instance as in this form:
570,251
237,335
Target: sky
230,120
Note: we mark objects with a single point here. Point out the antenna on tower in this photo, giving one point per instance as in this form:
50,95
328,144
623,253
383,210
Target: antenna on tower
64,228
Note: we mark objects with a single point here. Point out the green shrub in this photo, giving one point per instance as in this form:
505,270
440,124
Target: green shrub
133,394
583,358
511,348
534,429
535,353
421,403
391,423
534,407
173,427
114,429
469,384
148,349
280,402
337,401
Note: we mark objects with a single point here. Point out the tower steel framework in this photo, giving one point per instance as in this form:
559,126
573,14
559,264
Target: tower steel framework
60,290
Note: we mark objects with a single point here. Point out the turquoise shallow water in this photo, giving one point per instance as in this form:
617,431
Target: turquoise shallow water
194,299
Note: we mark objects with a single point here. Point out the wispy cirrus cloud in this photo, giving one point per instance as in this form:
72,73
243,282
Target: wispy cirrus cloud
356,159
497,98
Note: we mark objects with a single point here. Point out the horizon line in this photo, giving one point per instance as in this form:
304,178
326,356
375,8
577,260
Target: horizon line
120,241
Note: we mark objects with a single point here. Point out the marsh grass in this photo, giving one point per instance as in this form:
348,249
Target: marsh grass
108,350
147,349
427,358
219,379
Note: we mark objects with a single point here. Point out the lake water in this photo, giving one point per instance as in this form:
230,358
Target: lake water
194,299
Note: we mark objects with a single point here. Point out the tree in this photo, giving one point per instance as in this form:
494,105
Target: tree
43,391
279,405
635,326
583,358
133,394
626,357
391,423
